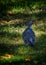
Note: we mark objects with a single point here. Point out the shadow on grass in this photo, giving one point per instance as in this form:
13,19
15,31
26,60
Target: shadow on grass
11,35
9,48
23,62
41,42
39,15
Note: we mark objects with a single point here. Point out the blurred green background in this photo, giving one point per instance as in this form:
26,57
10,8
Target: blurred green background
14,18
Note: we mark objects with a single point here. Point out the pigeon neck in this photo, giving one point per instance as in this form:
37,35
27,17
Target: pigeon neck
29,26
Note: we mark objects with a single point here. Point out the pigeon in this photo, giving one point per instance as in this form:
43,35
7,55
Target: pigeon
28,35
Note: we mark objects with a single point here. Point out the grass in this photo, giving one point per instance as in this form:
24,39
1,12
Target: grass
12,48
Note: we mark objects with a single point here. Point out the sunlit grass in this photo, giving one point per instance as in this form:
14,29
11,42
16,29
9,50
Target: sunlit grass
27,10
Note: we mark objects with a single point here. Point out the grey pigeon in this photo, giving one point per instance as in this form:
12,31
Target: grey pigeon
28,35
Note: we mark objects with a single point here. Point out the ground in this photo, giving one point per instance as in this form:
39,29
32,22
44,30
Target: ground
12,48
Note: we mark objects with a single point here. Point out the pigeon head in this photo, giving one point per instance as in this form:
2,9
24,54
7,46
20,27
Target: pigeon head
30,23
